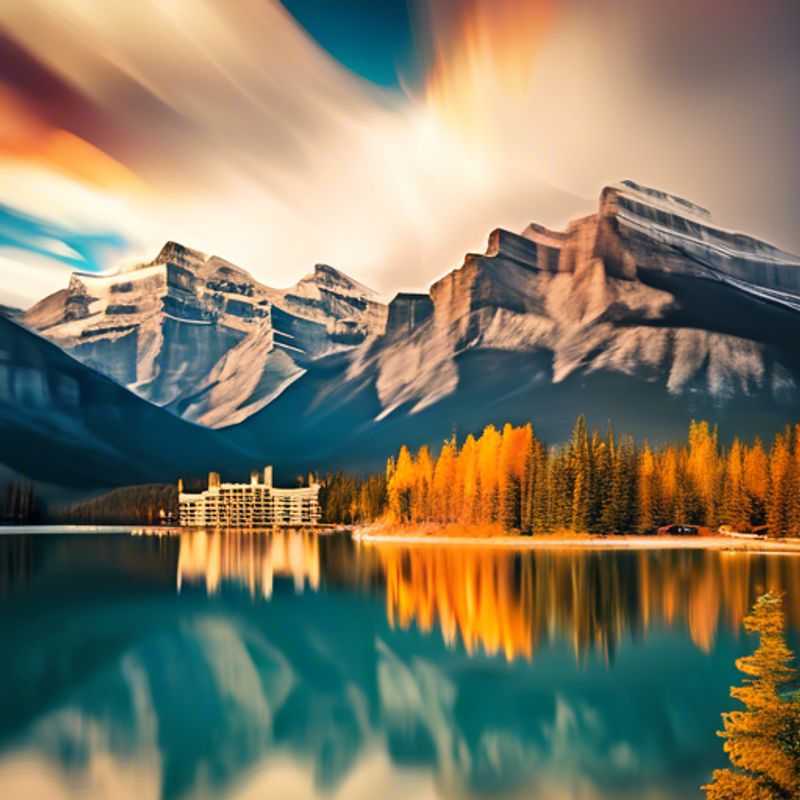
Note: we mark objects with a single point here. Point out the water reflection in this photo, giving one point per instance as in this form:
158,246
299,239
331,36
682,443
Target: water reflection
435,673
249,559
511,603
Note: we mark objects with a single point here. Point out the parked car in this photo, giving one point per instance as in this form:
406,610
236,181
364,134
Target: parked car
679,530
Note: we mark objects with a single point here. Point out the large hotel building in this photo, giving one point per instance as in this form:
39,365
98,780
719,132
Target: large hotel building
249,505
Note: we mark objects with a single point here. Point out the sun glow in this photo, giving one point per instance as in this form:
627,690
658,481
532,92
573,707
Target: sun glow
483,60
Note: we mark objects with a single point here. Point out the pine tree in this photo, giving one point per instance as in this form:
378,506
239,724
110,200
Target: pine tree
779,486
580,476
763,741
528,486
609,500
540,489
647,490
703,471
735,505
600,475
793,500
421,486
668,487
756,481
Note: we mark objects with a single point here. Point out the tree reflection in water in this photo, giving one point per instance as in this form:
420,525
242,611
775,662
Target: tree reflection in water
511,603
291,665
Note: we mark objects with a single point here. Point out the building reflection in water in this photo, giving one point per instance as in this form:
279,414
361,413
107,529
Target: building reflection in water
500,602
249,559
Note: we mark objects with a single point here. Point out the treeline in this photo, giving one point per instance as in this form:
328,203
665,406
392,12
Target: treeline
129,505
599,482
351,500
19,504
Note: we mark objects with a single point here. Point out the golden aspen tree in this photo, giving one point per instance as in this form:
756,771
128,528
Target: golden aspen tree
467,465
488,474
506,487
400,486
521,470
645,518
423,480
444,490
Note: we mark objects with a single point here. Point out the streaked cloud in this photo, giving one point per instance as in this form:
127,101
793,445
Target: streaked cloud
225,126
82,251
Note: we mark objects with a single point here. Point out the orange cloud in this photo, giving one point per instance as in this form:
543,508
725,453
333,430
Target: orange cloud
27,139
489,47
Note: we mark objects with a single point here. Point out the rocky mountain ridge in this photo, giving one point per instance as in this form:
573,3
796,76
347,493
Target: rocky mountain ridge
608,294
201,336
644,312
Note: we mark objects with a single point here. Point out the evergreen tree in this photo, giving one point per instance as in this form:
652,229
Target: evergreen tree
763,741
779,486
735,505
703,471
600,475
540,489
756,481
647,491
580,476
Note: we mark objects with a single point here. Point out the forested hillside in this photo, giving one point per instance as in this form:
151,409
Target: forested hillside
599,482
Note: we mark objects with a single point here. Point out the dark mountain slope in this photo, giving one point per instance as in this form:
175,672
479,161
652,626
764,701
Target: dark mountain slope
66,424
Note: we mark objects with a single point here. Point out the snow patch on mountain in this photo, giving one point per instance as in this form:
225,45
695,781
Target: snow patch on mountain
577,296
201,336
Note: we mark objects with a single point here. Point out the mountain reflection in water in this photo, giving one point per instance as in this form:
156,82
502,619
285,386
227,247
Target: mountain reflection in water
294,666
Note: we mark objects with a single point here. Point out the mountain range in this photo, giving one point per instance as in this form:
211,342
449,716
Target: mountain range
646,312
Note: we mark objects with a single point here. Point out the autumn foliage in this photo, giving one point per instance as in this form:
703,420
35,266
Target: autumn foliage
598,482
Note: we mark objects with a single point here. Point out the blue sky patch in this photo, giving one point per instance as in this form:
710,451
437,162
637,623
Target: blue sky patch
76,249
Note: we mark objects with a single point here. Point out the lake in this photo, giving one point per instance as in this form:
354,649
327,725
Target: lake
290,665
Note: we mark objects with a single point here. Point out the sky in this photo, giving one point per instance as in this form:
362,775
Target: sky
386,139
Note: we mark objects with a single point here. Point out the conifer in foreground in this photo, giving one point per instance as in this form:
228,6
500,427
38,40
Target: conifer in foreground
763,741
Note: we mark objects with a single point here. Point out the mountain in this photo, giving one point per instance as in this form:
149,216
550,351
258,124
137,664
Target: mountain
10,312
202,337
629,290
63,423
646,313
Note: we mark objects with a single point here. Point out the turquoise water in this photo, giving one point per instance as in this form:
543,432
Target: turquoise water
291,666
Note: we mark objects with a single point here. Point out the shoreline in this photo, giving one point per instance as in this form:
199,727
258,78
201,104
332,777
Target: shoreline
610,542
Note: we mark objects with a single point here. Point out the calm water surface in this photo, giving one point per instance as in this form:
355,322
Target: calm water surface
295,666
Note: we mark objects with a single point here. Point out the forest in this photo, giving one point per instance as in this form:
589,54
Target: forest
129,505
597,482
19,504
